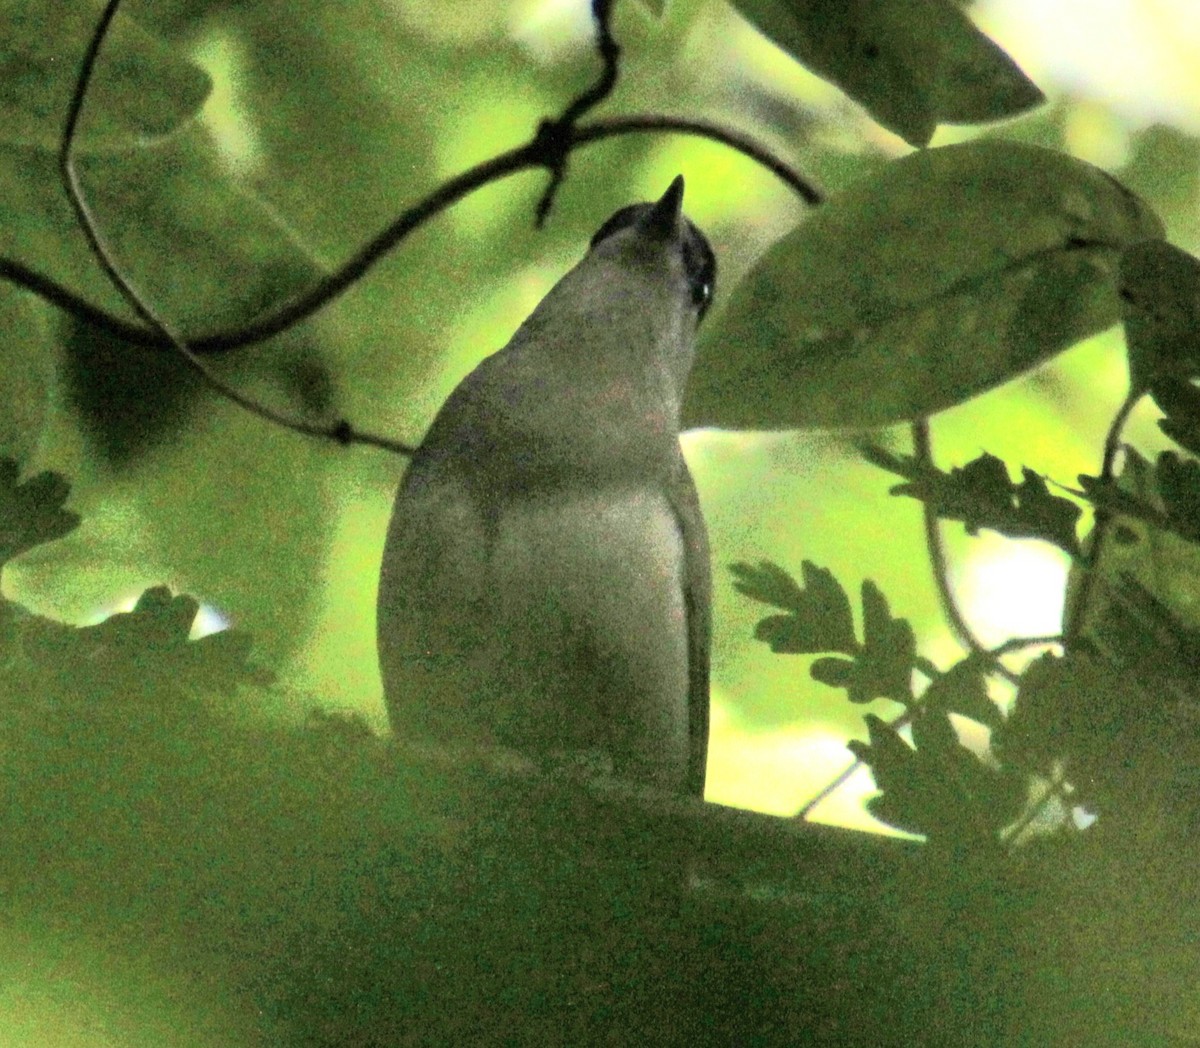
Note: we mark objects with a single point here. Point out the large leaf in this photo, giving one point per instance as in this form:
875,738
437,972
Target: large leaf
912,63
1160,304
204,250
25,361
141,90
949,272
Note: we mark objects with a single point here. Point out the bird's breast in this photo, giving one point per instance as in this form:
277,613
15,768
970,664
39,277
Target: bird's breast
595,554
589,606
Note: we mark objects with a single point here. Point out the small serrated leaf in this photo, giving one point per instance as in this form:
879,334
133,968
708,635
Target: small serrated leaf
1168,497
932,733
937,787
981,495
882,666
889,650
962,689
818,616
31,511
767,583
148,652
837,673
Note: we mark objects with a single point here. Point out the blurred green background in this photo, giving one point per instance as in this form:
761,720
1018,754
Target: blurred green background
325,120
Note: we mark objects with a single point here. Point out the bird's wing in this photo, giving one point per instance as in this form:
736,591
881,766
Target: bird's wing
697,574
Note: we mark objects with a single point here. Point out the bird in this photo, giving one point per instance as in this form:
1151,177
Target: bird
546,584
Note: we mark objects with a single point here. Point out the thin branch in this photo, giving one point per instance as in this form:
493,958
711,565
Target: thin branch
329,287
155,330
554,136
1019,643
1056,789
829,789
1074,614
923,448
922,665
1112,439
744,144
610,53
341,431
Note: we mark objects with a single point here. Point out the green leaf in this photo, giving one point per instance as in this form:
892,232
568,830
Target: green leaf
1179,487
981,495
1167,497
938,788
1057,699
1144,579
143,655
890,757
962,689
912,63
1160,306
206,252
142,90
882,666
835,673
818,616
26,363
947,273
31,511
1180,401
1124,735
1140,633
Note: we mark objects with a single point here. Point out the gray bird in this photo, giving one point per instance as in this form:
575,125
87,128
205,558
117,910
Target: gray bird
546,583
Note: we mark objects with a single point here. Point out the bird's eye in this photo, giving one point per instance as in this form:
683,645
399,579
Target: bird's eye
701,267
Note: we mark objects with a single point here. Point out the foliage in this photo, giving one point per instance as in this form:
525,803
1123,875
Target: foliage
1111,710
969,263
231,183
238,157
913,63
144,655
935,786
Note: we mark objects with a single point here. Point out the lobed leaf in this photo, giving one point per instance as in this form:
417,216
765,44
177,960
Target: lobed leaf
818,616
981,495
31,510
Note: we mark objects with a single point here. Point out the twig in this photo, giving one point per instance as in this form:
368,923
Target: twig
1056,789
449,193
1074,615
829,789
553,137
341,431
744,144
922,447
1017,643
991,656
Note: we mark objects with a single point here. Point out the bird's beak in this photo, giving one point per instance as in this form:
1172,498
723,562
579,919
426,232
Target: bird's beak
662,220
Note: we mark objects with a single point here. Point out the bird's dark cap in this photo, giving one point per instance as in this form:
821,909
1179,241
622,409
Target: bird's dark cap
662,220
